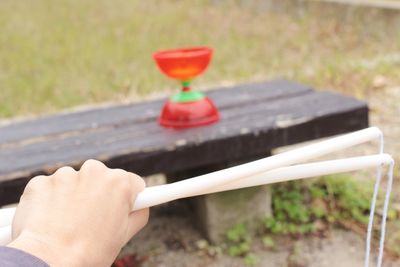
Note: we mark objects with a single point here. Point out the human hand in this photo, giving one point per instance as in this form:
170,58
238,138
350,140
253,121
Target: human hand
78,218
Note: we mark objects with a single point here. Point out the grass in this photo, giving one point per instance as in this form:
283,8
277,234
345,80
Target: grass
313,207
55,55
302,207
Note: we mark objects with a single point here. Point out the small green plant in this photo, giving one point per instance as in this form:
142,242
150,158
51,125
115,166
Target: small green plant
238,240
268,242
291,212
301,208
208,249
250,260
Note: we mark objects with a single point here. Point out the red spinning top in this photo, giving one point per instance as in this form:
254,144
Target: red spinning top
187,108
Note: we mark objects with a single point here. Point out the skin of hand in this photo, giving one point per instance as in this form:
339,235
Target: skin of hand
78,218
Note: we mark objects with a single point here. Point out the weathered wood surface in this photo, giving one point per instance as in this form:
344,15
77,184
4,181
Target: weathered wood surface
254,119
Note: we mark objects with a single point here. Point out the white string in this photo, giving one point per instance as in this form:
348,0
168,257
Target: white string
373,205
385,212
371,215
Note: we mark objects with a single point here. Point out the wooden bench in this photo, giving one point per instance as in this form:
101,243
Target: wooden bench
255,118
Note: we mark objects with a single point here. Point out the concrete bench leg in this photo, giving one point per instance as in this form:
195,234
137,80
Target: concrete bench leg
214,214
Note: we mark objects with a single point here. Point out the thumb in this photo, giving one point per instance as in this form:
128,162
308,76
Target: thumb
136,221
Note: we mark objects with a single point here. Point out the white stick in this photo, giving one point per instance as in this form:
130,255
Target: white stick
189,187
5,235
274,176
307,171
6,216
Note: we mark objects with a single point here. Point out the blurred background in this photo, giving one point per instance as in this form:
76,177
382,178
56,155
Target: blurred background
57,55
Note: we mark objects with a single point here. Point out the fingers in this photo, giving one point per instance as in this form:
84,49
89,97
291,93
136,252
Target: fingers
127,184
136,221
92,169
64,171
120,181
93,164
137,185
65,175
35,184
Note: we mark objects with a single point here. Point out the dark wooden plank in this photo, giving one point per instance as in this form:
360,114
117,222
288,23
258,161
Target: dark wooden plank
138,130
104,118
243,146
216,151
125,141
254,119
11,191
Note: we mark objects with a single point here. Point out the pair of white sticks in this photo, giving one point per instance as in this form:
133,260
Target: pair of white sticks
268,170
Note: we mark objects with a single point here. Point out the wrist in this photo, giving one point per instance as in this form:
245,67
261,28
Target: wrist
50,251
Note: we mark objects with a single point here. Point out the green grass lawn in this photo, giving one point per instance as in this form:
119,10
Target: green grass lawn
58,54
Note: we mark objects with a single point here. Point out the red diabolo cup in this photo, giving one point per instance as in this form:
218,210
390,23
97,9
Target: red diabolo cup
187,108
